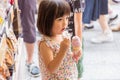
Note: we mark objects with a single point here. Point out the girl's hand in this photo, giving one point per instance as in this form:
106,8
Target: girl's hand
64,46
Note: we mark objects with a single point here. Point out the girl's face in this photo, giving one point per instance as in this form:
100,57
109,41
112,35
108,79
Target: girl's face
59,25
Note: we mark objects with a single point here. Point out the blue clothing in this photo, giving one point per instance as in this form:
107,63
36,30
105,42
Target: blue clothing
28,9
93,9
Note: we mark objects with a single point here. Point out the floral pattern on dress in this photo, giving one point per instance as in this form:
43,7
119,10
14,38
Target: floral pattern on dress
67,69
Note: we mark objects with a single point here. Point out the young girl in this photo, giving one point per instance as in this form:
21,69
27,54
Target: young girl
55,56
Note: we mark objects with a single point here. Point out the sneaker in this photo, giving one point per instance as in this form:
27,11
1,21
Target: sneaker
116,1
88,26
106,36
33,70
112,19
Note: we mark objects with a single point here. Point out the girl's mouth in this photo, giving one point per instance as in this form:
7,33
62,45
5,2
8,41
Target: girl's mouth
63,29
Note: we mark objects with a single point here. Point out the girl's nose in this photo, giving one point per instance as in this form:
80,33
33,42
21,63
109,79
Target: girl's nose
65,22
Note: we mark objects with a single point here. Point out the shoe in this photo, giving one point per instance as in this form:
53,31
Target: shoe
116,1
115,29
33,70
106,36
111,20
88,26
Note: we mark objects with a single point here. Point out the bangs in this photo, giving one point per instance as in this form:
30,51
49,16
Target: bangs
63,9
48,11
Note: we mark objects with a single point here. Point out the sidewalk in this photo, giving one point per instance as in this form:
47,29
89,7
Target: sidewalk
101,61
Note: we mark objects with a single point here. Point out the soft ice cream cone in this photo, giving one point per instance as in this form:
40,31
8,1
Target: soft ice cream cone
76,44
76,48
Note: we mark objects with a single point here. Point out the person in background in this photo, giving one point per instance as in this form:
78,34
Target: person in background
56,58
75,26
102,12
87,14
89,17
98,9
28,9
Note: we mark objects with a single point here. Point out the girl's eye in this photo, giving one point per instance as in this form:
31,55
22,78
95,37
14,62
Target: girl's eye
59,19
62,18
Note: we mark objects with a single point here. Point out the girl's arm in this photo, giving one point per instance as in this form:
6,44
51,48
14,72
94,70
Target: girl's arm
46,53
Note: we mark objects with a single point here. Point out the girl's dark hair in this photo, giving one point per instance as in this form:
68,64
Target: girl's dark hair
49,10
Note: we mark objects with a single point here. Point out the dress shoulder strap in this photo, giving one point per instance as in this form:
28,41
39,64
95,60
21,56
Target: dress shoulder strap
47,41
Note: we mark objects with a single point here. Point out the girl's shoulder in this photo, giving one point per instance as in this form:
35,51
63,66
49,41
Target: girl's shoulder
47,43
45,40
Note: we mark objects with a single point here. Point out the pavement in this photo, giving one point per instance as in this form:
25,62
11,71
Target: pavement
101,61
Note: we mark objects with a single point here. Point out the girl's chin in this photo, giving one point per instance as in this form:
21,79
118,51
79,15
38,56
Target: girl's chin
62,31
